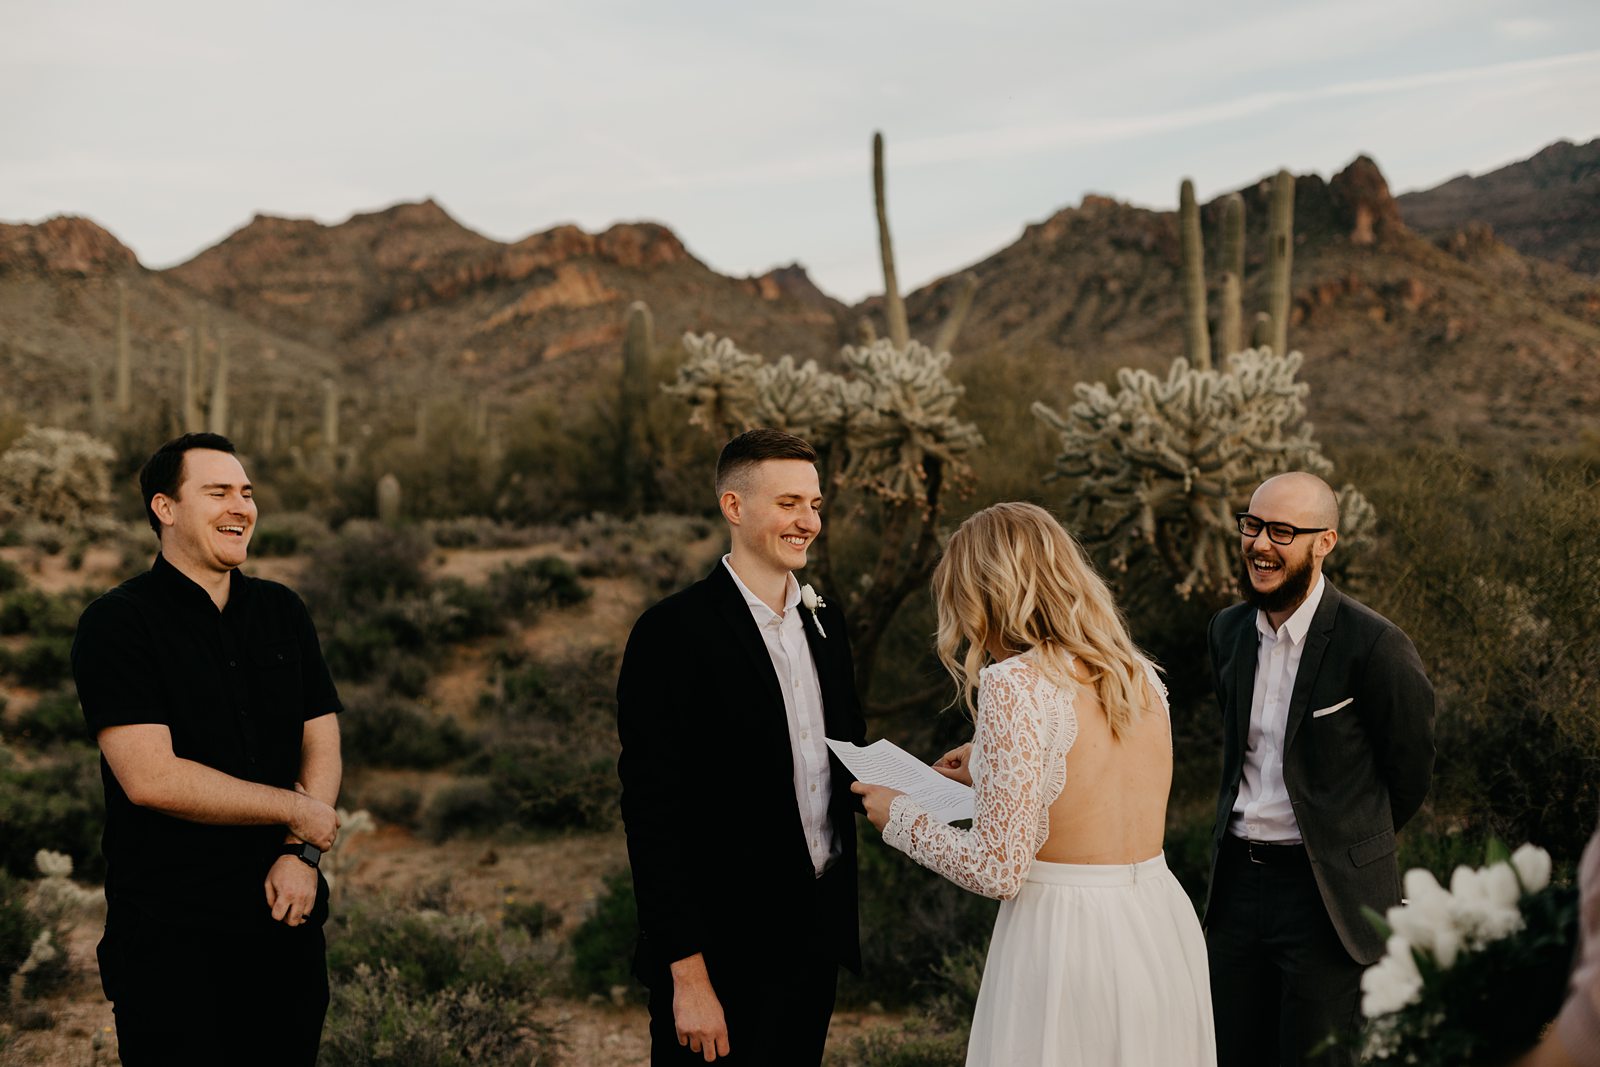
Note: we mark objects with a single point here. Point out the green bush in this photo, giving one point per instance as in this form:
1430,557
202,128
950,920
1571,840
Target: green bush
602,945
377,1019
545,785
532,917
547,581
11,578
364,566
289,532
57,802
38,614
55,717
911,920
467,805
433,951
414,985
378,729
44,662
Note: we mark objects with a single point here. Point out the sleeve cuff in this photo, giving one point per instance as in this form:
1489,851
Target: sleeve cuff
903,812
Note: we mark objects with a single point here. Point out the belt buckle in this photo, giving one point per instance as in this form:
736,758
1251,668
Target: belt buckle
1250,850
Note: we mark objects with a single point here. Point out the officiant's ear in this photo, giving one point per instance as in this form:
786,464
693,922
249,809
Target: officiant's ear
732,507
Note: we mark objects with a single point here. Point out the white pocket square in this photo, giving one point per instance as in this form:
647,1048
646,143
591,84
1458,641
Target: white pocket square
1331,709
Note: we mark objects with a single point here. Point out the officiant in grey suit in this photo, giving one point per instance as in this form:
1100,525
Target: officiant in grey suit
1327,750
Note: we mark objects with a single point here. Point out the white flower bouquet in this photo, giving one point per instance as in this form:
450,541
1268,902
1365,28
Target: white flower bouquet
1472,973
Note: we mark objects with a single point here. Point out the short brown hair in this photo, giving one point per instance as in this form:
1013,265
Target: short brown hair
757,446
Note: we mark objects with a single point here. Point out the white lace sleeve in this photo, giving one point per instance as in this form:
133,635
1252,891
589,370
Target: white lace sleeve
1025,727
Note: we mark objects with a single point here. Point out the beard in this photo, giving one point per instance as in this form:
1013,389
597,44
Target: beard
1290,592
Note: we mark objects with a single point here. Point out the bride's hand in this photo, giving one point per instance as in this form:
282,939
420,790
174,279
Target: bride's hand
956,764
876,800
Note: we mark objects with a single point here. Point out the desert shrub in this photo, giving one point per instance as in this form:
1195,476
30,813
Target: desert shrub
651,548
467,805
417,986
366,565
544,785
377,1020
39,614
433,950
18,929
56,477
379,729
10,577
532,917
55,717
1488,564
56,802
911,919
480,531
44,662
918,1043
286,533
602,945
389,802
547,581
550,750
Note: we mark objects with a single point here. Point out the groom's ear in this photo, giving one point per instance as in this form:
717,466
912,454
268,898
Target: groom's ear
730,504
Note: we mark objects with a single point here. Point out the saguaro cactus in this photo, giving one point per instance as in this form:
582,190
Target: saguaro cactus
217,413
966,287
1230,317
638,348
389,499
124,395
1280,258
330,417
1196,342
894,309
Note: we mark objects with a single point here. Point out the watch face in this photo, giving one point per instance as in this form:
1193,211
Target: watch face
311,854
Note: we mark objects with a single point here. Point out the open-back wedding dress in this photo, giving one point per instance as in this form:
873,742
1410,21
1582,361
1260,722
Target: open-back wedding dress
1089,965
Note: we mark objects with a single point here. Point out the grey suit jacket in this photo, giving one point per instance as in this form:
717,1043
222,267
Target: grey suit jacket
1355,773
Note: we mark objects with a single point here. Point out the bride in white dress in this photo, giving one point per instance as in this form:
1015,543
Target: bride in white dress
1097,958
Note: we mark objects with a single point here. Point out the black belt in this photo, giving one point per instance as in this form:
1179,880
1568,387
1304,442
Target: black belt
1265,853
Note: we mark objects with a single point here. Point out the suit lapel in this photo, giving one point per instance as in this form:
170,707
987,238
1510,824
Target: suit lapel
1317,638
735,614
1245,654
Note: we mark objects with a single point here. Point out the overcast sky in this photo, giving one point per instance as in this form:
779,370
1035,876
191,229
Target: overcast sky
746,127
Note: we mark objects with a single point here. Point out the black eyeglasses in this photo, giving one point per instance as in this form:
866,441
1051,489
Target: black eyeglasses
1280,533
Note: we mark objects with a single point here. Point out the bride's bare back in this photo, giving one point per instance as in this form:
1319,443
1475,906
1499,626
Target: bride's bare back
1113,806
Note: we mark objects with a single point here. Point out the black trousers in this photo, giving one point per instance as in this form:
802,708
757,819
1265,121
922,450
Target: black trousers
777,1012
1281,980
185,997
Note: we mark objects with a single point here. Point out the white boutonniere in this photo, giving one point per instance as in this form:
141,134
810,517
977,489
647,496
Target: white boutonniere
809,597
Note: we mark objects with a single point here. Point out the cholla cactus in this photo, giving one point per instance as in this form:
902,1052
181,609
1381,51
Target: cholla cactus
337,860
1164,463
887,427
717,381
59,477
56,896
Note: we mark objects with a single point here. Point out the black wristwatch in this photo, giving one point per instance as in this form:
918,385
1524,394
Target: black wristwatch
308,854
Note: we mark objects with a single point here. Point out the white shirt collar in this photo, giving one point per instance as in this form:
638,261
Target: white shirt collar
791,593
1296,625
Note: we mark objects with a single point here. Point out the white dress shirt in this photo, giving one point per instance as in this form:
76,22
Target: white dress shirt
1262,811
785,638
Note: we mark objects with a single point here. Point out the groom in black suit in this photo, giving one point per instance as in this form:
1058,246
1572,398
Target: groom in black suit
1327,751
740,824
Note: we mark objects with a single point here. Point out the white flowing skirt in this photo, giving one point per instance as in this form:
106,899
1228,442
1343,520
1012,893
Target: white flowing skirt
1095,966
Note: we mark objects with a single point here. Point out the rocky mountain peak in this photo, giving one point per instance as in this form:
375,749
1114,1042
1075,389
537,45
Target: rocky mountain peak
1362,202
65,245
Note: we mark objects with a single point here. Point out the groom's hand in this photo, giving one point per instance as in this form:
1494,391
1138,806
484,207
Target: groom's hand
696,1011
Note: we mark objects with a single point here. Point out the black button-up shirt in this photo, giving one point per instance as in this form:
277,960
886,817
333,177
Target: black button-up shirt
235,687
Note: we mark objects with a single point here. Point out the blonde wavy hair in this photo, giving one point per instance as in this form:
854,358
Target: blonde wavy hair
1011,578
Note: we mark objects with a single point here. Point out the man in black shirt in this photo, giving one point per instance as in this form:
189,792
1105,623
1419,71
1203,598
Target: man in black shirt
219,741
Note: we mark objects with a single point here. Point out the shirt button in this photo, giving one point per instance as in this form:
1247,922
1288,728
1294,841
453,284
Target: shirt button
232,663
813,787
805,735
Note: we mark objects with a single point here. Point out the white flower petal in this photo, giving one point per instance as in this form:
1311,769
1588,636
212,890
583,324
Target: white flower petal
1533,867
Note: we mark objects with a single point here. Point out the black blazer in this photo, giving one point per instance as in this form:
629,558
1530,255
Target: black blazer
719,856
1355,773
